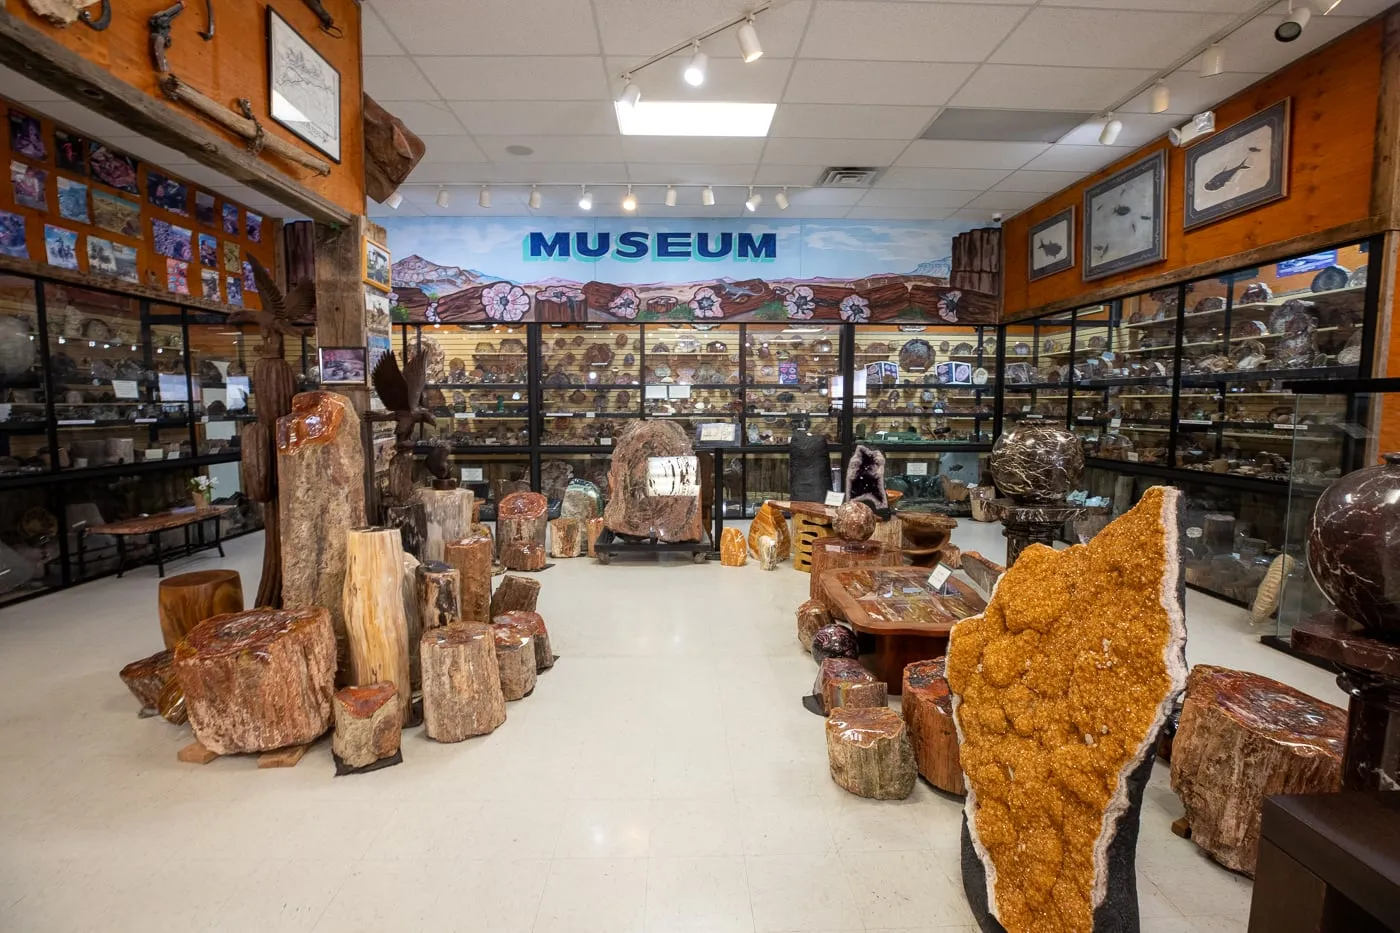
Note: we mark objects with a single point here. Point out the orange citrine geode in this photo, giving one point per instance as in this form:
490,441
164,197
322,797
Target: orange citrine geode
1060,689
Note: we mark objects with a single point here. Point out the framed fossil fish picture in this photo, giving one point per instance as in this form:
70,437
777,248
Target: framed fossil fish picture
1052,245
1239,168
1124,218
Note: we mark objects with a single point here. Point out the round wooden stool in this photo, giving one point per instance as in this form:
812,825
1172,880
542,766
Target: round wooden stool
190,598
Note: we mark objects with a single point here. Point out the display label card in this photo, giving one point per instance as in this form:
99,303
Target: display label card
1290,427
940,576
605,441
1026,407
1196,423
678,391
5,411
125,388
462,415
656,391
916,469
145,421
834,498
153,454
1132,456
1116,423
75,421
590,414
473,475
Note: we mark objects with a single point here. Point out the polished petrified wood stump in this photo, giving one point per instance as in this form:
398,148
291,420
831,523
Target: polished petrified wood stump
447,515
837,553
515,656
147,677
259,680
733,552
1244,737
532,624
439,587
843,682
472,558
376,625
928,711
770,522
566,537
367,727
522,519
631,509
925,536
869,753
461,682
515,593
190,598
811,617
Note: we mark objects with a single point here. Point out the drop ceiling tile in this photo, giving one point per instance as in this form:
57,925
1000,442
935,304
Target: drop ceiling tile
1037,182
553,149
395,77
957,153
521,173
517,78
463,199
638,29
665,149
1119,38
1082,159
978,216
1190,94
691,174
1138,130
941,179
1004,201
726,79
796,212
911,84
821,197
823,152
911,32
537,117
457,148
921,200
1184,6
820,121
375,38
491,27
795,175
16,86
861,212
426,117
1020,86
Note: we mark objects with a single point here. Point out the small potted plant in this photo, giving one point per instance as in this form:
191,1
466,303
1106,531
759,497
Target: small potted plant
200,488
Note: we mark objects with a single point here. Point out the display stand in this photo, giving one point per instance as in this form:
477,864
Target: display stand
610,544
1025,525
717,523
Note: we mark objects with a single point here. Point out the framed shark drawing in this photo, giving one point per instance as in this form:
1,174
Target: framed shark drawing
1239,168
1052,245
1124,225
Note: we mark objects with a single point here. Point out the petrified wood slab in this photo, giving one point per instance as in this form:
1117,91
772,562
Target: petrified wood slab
515,594
190,598
843,682
631,510
447,515
532,624
869,753
162,521
836,553
472,558
461,682
1244,737
811,616
259,680
928,711
147,677
367,727
376,625
769,521
733,552
521,519
439,594
1110,613
515,655
566,537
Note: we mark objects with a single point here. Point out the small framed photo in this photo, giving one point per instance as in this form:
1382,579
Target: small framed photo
305,88
343,366
377,268
1125,219
1239,168
1052,245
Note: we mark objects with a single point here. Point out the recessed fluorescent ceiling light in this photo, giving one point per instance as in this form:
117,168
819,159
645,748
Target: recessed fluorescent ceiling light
694,118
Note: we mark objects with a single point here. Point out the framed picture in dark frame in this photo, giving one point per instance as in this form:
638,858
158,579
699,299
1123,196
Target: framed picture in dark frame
1051,245
1125,219
303,88
343,365
1239,168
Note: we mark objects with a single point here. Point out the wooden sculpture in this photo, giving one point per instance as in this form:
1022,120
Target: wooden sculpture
461,682
376,627
522,518
189,598
367,727
401,391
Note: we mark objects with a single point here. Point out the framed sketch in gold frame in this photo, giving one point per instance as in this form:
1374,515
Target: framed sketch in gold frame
1238,168
378,270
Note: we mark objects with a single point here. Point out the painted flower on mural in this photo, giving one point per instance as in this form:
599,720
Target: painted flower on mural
505,302
706,303
431,314
855,309
801,304
948,306
560,294
625,305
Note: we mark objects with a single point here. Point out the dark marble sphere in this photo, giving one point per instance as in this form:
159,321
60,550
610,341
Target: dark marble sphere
1037,463
854,521
834,641
1354,546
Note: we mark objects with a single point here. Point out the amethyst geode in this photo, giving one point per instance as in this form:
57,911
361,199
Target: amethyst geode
1037,463
1354,546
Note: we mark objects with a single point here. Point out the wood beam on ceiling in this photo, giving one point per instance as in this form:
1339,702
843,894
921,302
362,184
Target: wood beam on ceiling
39,58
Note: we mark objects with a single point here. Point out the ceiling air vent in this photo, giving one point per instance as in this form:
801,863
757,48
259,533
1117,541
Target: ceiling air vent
848,177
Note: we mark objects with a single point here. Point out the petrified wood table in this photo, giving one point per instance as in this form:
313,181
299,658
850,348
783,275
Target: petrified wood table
908,618
1024,525
152,526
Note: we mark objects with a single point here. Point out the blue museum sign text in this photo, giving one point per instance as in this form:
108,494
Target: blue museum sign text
661,247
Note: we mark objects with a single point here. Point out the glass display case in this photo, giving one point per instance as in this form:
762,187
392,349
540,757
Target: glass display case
1036,369
478,385
590,383
1123,374
788,373
691,373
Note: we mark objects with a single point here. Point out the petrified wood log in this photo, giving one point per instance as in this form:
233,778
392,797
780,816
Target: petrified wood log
190,598
515,655
412,523
631,510
391,150
928,711
375,623
732,550
842,682
320,471
147,677
811,616
439,594
532,624
522,518
771,522
515,594
768,553
983,573
1244,737
408,587
595,528
869,753
367,726
566,537
523,555
447,515
836,553
171,704
472,558
258,680
461,682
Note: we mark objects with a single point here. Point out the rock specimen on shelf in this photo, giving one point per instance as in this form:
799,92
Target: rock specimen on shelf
1352,547
582,500
927,704
854,521
831,552
515,656
812,617
594,529
472,559
147,677
367,727
515,594
522,518
865,478
532,624
189,598
1065,681
632,510
1037,463
566,538
869,753
439,587
768,553
447,515
842,682
733,552
461,682
1243,737
260,679
320,471
376,625
770,522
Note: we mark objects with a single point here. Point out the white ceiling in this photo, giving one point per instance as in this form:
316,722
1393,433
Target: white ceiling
856,82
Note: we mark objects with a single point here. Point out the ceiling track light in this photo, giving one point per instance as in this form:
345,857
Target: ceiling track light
695,69
535,199
1161,98
443,198
754,200
707,196
484,198
1292,27
394,200
629,201
631,94
749,46
1109,135
585,200
781,199
671,196
1212,60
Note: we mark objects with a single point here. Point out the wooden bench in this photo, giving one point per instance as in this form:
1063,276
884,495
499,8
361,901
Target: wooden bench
153,526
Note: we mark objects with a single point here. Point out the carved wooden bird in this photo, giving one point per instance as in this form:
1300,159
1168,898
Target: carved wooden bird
275,319
401,391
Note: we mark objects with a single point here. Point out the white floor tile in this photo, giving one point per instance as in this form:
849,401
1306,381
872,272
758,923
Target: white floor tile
800,892
704,895
594,896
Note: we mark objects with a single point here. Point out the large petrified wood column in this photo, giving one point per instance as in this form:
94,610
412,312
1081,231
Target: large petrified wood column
258,680
439,594
515,655
928,711
461,682
521,519
376,626
515,594
190,598
472,558
147,677
367,727
532,624
1244,737
447,516
869,753
321,469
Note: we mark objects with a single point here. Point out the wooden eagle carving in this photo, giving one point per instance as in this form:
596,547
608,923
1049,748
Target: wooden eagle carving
401,391
279,314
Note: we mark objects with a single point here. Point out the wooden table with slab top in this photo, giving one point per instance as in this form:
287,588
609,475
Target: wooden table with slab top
152,526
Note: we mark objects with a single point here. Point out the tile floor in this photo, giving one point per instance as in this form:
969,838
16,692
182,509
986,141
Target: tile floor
664,776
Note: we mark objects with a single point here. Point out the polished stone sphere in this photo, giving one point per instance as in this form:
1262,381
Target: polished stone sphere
1037,463
834,641
1354,546
854,521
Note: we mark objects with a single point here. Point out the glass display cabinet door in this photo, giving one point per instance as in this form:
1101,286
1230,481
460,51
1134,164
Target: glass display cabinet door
23,389
691,373
222,358
1037,371
557,470
1124,370
490,477
590,382
478,383
787,382
923,385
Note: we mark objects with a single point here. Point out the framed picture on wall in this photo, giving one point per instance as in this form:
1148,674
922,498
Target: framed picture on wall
303,88
1124,219
1052,245
377,268
343,365
1239,168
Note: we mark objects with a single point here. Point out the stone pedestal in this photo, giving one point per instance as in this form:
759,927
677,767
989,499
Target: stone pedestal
515,656
532,624
147,677
566,538
515,593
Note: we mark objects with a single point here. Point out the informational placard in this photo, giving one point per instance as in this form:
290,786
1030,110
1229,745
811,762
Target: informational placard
673,476
1304,264
1115,423
787,373
916,469
125,389
940,575
718,432
678,391
834,498
174,388
473,475
656,391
